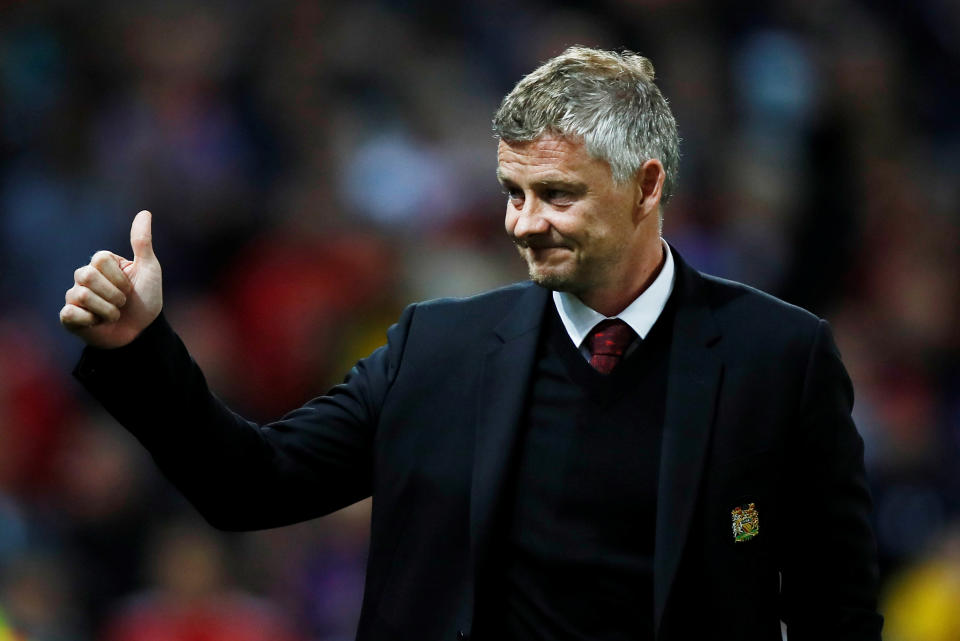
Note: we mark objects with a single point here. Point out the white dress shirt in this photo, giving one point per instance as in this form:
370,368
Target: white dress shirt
641,314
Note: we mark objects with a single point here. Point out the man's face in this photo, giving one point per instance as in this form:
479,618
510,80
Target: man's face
574,226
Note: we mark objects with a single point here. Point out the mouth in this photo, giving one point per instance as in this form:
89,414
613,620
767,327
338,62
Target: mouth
543,254
547,250
539,244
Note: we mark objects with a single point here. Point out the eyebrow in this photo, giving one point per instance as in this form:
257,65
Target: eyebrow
566,185
575,188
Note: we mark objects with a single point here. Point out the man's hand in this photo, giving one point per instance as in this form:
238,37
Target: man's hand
114,299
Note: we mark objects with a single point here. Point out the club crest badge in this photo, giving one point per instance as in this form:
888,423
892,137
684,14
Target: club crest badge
746,522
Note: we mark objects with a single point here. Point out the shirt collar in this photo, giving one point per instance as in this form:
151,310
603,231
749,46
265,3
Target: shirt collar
641,314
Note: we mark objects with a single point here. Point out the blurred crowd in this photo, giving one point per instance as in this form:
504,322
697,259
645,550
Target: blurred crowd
314,166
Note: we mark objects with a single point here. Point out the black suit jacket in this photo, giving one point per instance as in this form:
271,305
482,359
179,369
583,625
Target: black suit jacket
758,411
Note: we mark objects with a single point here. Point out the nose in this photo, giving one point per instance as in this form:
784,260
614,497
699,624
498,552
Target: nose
528,220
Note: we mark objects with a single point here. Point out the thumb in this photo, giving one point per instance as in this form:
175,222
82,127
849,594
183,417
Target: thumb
141,236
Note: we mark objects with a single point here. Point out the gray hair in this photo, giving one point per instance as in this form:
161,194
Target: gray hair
606,98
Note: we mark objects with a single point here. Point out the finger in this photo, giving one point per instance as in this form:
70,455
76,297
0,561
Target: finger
73,317
86,299
141,236
94,280
109,264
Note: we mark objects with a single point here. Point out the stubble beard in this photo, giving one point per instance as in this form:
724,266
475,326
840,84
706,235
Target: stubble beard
565,279
579,276
558,282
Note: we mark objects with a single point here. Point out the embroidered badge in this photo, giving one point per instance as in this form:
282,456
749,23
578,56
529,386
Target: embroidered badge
746,522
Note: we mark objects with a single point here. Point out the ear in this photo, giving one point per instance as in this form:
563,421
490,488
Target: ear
649,181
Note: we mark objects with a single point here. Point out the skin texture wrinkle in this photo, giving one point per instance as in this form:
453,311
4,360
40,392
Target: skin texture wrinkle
578,229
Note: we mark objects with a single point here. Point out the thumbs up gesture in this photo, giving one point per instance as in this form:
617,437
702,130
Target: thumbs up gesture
114,299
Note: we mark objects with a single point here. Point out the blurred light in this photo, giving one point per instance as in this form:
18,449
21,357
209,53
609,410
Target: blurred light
393,180
776,79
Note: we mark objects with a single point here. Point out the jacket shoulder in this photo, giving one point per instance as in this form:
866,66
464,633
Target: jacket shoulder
730,298
459,322
500,294
492,304
755,321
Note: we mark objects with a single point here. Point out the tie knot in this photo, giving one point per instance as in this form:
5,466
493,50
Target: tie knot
610,338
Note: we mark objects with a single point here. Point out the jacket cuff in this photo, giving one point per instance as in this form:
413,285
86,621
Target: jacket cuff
94,360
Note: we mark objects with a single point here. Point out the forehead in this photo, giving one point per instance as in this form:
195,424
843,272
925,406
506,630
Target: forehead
548,156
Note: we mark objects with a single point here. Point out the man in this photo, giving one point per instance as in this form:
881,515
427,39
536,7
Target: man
622,449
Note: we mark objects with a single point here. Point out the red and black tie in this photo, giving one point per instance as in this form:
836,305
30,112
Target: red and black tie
607,343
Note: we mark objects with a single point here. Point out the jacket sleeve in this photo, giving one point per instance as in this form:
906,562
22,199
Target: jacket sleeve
830,575
238,474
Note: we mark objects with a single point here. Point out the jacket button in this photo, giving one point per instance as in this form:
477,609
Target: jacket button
462,636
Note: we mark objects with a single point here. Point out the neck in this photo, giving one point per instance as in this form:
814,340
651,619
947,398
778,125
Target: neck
612,300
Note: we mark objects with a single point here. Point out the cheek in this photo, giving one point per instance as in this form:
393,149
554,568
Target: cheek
579,224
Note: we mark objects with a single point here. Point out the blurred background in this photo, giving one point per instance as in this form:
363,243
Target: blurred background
313,167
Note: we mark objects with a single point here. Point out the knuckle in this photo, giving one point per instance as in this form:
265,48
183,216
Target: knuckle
82,275
100,258
69,316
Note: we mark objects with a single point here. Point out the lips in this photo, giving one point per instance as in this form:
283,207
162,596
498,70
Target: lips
548,249
538,244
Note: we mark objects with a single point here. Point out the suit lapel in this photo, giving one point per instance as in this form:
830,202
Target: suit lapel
693,381
504,381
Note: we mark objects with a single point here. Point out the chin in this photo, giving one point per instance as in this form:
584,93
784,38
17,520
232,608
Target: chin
562,282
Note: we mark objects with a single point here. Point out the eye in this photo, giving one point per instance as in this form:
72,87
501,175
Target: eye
558,196
513,194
